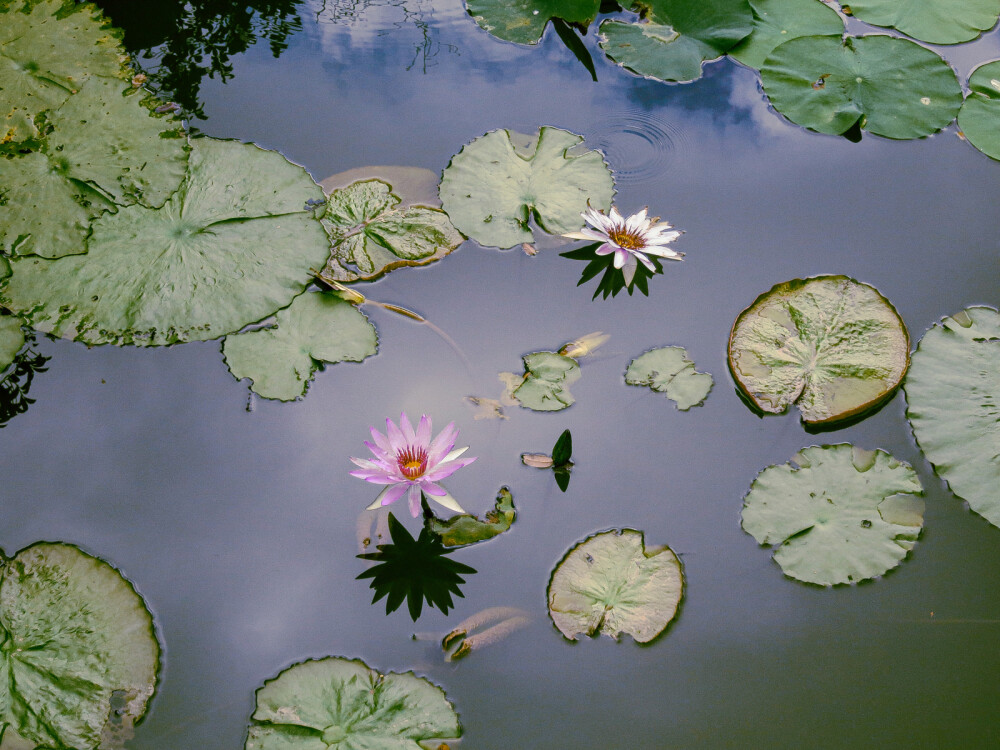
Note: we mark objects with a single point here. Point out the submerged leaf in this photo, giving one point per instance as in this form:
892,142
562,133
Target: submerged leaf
343,703
777,21
524,21
547,377
611,583
668,370
831,345
465,528
953,404
836,513
931,21
979,117
460,642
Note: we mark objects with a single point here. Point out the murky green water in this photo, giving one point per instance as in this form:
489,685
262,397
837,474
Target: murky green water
239,527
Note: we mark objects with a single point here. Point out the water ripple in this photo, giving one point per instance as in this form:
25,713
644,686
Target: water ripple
637,145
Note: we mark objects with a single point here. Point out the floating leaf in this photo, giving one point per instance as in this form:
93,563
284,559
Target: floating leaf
230,247
371,235
464,529
496,183
829,344
343,703
836,513
562,451
668,370
611,583
80,656
888,86
11,339
979,117
547,377
676,37
317,327
523,21
953,404
931,21
777,21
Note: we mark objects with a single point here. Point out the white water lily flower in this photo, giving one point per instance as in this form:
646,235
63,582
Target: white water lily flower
632,240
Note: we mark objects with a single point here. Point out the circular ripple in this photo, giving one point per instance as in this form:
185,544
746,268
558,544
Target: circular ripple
637,146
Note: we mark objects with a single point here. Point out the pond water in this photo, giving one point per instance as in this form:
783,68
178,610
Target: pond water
238,526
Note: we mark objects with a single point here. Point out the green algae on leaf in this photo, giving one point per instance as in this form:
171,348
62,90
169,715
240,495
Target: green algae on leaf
547,377
494,185
229,248
524,21
953,404
777,21
979,118
612,583
931,21
80,655
668,370
464,529
829,344
343,703
836,513
317,328
11,339
371,234
888,86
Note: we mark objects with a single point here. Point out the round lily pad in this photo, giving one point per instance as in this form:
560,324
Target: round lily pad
829,344
836,513
230,247
889,86
979,118
612,583
344,704
494,185
668,370
78,654
11,339
777,21
931,21
953,404
523,21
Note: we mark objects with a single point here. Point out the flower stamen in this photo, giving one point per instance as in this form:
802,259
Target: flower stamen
627,240
412,461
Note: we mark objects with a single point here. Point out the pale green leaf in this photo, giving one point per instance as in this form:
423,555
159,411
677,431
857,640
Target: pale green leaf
979,118
931,21
547,377
777,21
523,21
668,370
464,529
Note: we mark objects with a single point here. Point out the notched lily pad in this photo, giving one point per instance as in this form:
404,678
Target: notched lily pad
465,528
343,703
829,344
836,513
494,185
546,381
612,583
979,118
524,21
953,404
777,21
931,21
668,370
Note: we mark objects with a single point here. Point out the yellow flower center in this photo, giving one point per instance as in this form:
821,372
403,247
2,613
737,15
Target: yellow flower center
626,239
412,461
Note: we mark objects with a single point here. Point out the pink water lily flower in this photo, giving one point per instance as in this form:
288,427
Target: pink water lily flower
632,240
408,461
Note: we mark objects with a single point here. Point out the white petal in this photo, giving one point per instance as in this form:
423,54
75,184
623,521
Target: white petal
628,270
621,256
448,502
645,261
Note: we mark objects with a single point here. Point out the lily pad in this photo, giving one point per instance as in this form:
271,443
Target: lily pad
931,21
317,327
230,247
777,21
668,370
676,37
953,404
344,704
496,183
829,344
464,529
836,513
979,118
612,583
11,339
524,21
371,235
80,656
547,377
889,86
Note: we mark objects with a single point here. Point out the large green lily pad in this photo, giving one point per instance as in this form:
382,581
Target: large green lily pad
953,404
777,21
676,36
79,656
465,528
836,513
230,247
524,21
11,339
344,704
547,377
496,183
979,117
317,327
668,370
931,21
889,86
829,344
612,583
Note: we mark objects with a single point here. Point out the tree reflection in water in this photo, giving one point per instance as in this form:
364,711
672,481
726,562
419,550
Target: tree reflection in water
17,379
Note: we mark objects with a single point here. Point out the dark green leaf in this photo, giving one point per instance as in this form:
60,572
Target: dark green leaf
562,451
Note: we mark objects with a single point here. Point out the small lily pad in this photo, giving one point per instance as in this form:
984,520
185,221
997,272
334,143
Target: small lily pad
524,21
612,583
953,404
343,703
11,339
494,185
829,344
464,529
668,370
836,513
931,21
317,328
979,118
777,21
547,377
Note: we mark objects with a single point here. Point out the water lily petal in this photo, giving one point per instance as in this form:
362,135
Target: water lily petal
628,270
645,261
441,445
424,431
407,429
387,496
620,258
455,454
607,248
413,498
381,441
396,439
432,488
446,469
449,502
